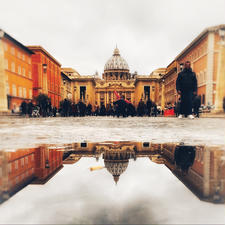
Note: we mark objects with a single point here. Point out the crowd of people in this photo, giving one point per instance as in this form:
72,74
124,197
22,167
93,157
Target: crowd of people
119,108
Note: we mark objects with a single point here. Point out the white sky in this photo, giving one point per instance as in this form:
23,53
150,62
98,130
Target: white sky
83,33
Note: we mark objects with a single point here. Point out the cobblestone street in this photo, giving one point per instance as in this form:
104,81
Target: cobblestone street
28,132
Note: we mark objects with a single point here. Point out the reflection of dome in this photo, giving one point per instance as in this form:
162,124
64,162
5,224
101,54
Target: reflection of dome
116,62
116,168
116,160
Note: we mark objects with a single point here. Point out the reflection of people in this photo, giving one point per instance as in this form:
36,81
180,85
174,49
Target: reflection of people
184,157
186,85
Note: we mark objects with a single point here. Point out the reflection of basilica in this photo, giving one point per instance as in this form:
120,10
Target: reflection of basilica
201,169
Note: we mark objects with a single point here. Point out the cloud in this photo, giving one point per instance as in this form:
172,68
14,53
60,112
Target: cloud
83,33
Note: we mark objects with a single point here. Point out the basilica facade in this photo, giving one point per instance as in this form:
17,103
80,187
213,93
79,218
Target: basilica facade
117,80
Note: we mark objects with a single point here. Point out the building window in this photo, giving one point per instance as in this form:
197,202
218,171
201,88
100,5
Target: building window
30,93
14,90
13,51
13,67
20,92
128,96
147,92
5,46
29,60
24,92
26,160
29,74
23,57
6,64
24,72
9,167
7,88
19,70
82,92
18,54
16,164
101,96
22,162
203,99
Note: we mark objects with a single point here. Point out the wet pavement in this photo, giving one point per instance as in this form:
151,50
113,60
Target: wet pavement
112,171
25,132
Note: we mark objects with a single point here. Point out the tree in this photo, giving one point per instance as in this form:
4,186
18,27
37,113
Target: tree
43,102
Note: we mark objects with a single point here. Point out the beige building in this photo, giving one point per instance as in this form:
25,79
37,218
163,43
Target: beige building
116,77
207,56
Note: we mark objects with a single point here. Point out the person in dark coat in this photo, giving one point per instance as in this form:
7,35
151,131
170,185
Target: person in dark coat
121,107
149,107
186,85
23,107
30,108
196,105
102,110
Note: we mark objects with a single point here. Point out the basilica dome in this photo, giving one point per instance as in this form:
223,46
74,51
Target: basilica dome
116,62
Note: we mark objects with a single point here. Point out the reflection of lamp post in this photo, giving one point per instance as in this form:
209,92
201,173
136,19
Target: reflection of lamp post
47,166
44,67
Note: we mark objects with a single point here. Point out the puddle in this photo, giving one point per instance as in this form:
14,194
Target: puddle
134,181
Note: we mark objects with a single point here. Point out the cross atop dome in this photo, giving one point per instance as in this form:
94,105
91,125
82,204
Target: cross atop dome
116,51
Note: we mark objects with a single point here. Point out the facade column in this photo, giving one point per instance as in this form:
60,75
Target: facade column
206,172
163,96
3,94
220,79
210,65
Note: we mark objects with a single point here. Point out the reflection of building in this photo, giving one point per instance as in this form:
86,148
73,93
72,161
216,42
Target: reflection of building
206,177
116,155
21,167
46,74
15,73
17,169
47,162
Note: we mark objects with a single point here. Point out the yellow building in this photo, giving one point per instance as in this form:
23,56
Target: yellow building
66,87
116,77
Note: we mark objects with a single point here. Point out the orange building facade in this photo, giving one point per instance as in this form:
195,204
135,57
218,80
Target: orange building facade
16,82
46,72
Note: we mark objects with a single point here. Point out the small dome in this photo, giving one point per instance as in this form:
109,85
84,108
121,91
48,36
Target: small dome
116,62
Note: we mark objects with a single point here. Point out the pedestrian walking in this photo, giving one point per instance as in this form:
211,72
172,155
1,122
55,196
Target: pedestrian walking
186,85
196,105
